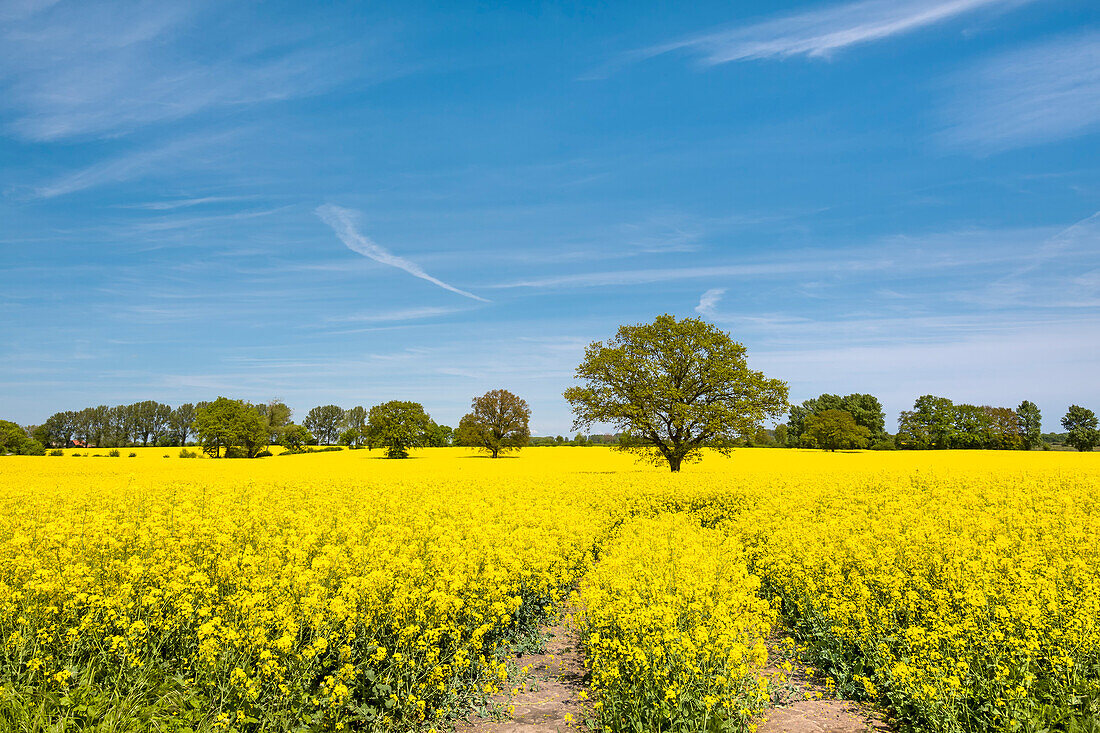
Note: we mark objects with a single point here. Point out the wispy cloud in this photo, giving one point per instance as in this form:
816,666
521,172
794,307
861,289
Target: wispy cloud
107,68
127,167
404,314
185,203
1045,92
709,301
343,222
656,275
817,33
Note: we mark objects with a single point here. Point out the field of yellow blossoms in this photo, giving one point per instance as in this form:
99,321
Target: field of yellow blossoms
958,590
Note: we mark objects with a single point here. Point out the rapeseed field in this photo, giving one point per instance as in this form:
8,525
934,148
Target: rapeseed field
342,591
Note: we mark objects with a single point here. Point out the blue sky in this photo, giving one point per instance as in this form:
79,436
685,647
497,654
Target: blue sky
349,203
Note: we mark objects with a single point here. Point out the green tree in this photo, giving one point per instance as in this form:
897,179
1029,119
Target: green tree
832,429
930,424
179,423
232,425
352,438
295,436
356,419
497,422
276,415
440,436
1031,424
324,422
14,439
673,387
781,435
398,426
865,409
1080,423
148,420
59,428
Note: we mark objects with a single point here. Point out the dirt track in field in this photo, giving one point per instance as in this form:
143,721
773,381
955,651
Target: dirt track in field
550,697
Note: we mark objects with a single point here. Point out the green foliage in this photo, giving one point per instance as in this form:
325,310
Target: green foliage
832,429
440,436
14,439
1080,422
114,453
57,452
324,422
295,436
937,422
232,425
865,409
184,453
673,387
398,426
1031,425
497,423
352,438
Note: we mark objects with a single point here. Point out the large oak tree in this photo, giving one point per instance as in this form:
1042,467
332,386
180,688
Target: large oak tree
673,387
498,422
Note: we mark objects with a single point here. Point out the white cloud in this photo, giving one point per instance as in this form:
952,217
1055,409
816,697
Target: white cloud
343,223
819,33
709,301
127,167
105,69
1045,92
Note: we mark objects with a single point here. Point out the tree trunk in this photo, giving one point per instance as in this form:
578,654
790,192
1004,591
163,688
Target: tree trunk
674,463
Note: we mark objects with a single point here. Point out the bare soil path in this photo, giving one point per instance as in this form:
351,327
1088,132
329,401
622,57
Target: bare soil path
548,697
801,702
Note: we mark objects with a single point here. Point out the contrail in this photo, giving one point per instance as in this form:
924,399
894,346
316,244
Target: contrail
342,222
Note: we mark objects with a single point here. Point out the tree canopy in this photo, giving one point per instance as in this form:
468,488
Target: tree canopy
865,409
498,422
1031,424
832,429
232,425
1081,424
398,426
14,439
324,422
673,387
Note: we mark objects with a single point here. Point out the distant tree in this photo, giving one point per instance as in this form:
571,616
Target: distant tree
324,422
356,419
148,420
398,426
560,440
865,409
1080,423
832,429
971,428
232,425
1004,428
352,438
781,435
440,436
295,436
14,439
1030,425
672,387
497,423
276,415
179,423
930,424
59,428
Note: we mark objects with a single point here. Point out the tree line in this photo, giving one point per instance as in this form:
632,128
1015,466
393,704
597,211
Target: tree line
858,421
670,388
498,422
